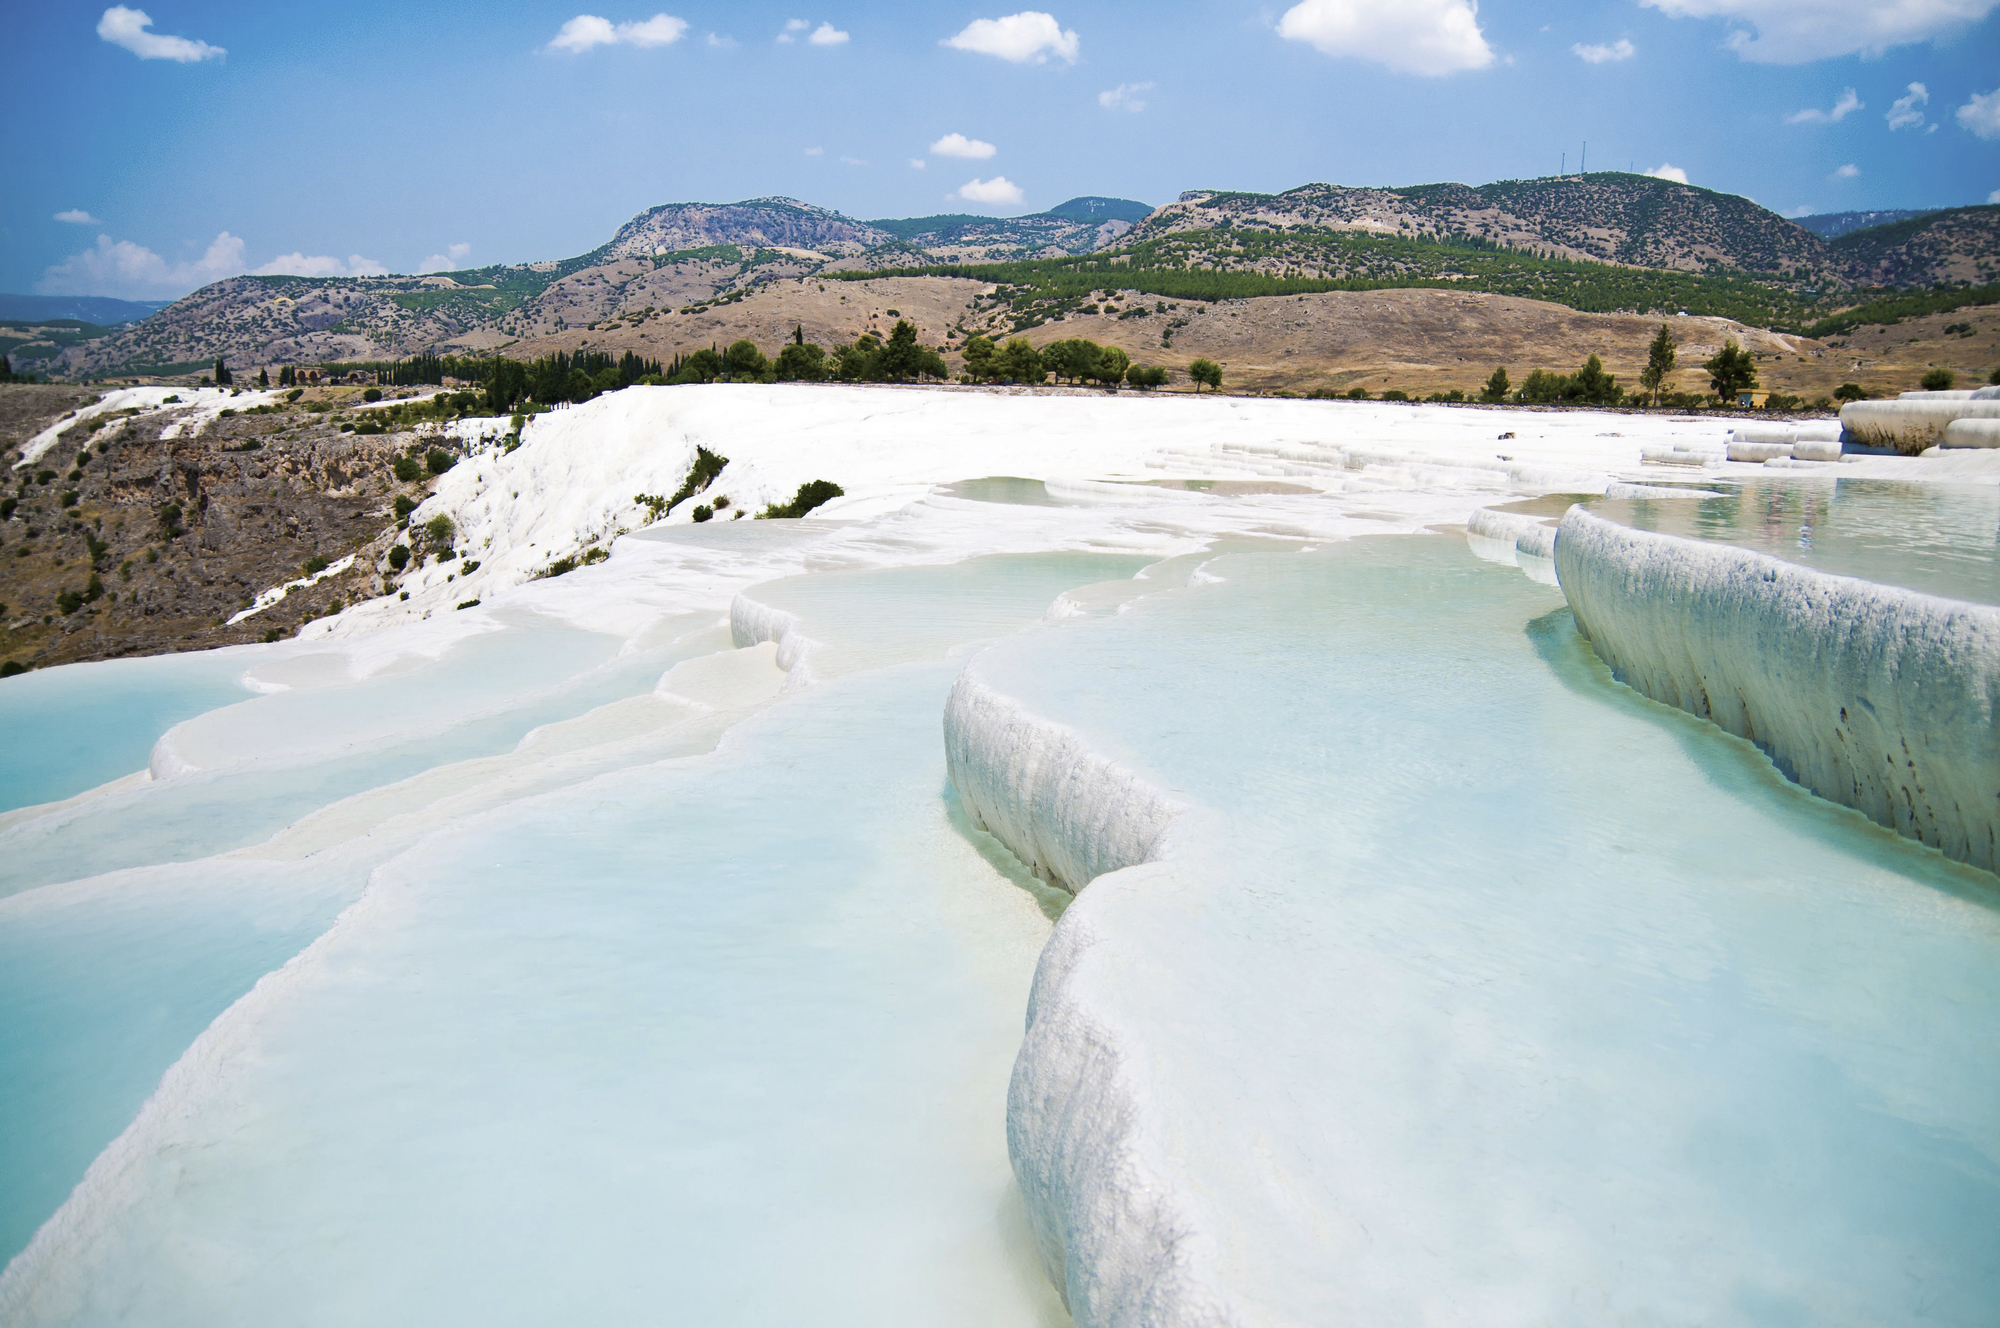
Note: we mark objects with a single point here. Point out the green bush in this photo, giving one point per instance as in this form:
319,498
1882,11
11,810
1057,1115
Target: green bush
1395,394
372,394
440,530
405,505
407,470
316,564
811,494
439,460
1850,392
399,557
1939,380
701,513
1357,394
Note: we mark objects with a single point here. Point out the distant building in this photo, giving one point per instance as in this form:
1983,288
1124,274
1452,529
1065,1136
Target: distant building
1753,397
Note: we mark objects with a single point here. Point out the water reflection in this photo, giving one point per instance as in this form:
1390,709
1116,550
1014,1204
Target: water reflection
1940,539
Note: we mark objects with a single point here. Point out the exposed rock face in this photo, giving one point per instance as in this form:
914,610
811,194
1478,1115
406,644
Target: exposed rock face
252,498
767,223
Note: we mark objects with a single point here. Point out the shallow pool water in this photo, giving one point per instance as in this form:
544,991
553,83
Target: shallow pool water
1941,539
1477,988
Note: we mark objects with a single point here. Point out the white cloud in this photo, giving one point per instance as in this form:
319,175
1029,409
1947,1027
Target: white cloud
958,145
1845,105
453,257
1904,113
1789,32
827,35
1847,172
999,189
296,264
1124,97
1430,37
585,31
918,163
720,42
127,28
815,152
1802,210
1981,116
853,161
1602,54
1668,171
1027,36
77,217
132,271
793,28
1994,197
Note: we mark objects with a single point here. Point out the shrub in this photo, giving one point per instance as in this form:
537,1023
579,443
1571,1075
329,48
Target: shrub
1850,392
69,601
405,505
701,513
440,529
468,604
407,470
811,494
372,394
471,566
1357,394
11,668
1206,373
1939,380
273,634
399,557
1395,394
439,460
69,498
316,564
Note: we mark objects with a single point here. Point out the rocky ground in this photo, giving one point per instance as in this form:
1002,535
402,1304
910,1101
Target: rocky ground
119,542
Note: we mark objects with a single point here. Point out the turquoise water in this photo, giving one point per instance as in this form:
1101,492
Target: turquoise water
595,1050
75,727
1482,989
1942,539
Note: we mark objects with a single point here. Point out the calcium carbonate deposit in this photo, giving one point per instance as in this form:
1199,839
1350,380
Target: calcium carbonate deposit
1127,860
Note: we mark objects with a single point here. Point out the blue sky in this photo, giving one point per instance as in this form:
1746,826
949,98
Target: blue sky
156,147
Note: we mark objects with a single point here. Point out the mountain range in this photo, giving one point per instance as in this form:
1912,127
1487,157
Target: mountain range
688,258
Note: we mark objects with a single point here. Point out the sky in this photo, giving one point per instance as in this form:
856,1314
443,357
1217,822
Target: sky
155,149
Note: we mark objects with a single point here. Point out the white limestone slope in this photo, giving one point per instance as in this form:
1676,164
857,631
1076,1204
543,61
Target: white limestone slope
1880,698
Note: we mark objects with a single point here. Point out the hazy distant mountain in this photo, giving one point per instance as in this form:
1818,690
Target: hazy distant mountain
682,259
1833,225
1928,249
99,309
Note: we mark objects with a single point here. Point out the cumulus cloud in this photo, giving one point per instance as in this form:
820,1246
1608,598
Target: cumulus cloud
585,31
1903,114
1429,37
1024,37
77,217
1124,97
793,28
958,145
998,190
1847,172
1603,54
131,271
296,264
827,35
1802,210
1994,197
721,43
1845,105
128,28
1789,32
452,258
1981,116
1669,171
